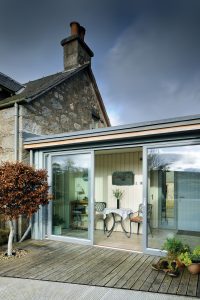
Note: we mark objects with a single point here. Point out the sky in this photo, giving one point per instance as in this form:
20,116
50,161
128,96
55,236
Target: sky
146,52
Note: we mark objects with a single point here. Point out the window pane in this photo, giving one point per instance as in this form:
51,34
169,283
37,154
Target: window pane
70,175
174,193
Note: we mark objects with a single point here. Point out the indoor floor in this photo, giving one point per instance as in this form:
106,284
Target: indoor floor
121,241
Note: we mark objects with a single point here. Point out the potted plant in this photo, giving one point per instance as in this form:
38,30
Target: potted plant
174,248
191,260
118,194
57,224
171,263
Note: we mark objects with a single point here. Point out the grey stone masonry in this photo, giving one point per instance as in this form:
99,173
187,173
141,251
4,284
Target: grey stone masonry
65,108
75,54
7,119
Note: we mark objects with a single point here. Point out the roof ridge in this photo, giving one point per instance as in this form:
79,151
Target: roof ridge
59,80
30,81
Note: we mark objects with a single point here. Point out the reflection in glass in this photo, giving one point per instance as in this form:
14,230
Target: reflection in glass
70,184
174,192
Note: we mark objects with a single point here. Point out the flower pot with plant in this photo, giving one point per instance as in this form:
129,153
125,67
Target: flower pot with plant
174,248
118,194
191,260
57,224
171,263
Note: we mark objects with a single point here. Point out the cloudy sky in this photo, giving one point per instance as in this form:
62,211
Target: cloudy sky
147,52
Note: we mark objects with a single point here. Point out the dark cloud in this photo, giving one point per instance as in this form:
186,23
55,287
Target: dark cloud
153,70
31,32
146,51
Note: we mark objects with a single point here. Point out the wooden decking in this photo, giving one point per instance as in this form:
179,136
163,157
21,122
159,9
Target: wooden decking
72,263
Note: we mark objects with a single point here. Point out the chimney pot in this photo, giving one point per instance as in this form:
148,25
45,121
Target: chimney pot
82,32
75,28
76,52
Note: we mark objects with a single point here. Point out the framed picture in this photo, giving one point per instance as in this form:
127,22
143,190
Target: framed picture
123,178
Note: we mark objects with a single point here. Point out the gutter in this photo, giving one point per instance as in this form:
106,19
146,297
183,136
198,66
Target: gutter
115,130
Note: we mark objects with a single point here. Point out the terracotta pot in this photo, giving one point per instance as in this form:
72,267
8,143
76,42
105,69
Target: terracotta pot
180,265
194,268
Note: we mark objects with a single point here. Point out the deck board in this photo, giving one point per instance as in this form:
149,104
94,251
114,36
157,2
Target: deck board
137,285
81,266
157,282
174,284
182,289
119,272
198,287
101,266
129,279
165,285
73,263
192,286
149,281
141,268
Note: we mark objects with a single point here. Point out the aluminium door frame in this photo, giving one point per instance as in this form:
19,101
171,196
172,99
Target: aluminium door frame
90,239
39,156
192,142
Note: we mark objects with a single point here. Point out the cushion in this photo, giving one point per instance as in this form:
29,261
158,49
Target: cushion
136,219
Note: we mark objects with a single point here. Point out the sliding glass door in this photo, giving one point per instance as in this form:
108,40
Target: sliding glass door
173,191
71,207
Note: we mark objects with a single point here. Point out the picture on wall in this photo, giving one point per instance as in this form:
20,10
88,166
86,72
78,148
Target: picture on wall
123,178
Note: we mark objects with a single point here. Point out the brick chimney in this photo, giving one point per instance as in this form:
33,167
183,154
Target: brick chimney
76,52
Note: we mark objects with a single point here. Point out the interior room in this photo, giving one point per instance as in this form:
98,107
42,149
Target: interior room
173,193
118,170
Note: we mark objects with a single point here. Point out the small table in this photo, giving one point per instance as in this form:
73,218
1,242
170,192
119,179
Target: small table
122,212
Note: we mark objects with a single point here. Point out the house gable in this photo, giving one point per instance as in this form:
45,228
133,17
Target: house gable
63,102
69,106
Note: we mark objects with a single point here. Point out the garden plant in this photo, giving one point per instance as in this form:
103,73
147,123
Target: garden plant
22,190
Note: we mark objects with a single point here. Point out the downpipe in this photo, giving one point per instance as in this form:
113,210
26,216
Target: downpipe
16,154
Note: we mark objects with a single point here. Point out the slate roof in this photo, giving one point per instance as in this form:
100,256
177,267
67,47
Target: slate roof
9,83
35,88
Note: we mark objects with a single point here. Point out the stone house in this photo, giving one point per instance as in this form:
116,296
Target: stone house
63,102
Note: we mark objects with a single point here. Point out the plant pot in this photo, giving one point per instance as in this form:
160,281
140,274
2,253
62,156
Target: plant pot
161,265
57,230
117,203
194,268
180,265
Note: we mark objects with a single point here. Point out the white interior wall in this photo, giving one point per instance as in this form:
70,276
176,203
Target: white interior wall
105,165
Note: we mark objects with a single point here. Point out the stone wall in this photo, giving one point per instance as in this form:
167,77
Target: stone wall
66,108
7,117
74,54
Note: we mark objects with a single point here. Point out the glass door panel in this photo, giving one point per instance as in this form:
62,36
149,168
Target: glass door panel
71,195
174,193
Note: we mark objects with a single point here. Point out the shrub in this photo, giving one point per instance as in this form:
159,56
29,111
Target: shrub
22,190
174,247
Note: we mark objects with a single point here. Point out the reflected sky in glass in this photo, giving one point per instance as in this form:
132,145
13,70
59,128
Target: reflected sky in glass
182,158
74,161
